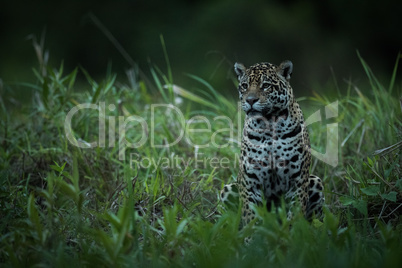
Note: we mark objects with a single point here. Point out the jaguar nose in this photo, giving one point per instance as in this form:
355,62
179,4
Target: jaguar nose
251,100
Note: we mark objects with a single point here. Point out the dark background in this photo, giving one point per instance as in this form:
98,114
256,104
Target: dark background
206,37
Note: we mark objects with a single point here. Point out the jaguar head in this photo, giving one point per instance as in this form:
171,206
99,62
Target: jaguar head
264,88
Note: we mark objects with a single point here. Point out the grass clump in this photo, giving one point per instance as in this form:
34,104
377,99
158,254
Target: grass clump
133,200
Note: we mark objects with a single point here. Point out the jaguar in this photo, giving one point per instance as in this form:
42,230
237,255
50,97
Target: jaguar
275,149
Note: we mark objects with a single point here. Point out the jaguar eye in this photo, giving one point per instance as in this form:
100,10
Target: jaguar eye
244,86
265,86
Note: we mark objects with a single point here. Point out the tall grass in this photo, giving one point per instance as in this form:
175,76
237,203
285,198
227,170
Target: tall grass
62,205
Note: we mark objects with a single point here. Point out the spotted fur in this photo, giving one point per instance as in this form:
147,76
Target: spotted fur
275,151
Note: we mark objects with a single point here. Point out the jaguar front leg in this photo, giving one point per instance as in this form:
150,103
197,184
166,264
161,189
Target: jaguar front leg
250,197
296,198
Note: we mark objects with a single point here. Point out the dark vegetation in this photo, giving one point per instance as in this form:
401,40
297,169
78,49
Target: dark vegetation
129,200
62,205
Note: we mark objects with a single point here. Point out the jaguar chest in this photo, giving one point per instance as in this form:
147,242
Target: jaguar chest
271,154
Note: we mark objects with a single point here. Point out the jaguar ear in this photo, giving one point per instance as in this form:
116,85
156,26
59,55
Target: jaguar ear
239,69
285,69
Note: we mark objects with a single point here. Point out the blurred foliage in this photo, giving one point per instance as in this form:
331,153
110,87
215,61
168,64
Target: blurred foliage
205,37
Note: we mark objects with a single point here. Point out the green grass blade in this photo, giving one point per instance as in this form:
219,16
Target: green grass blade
159,85
191,96
392,82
